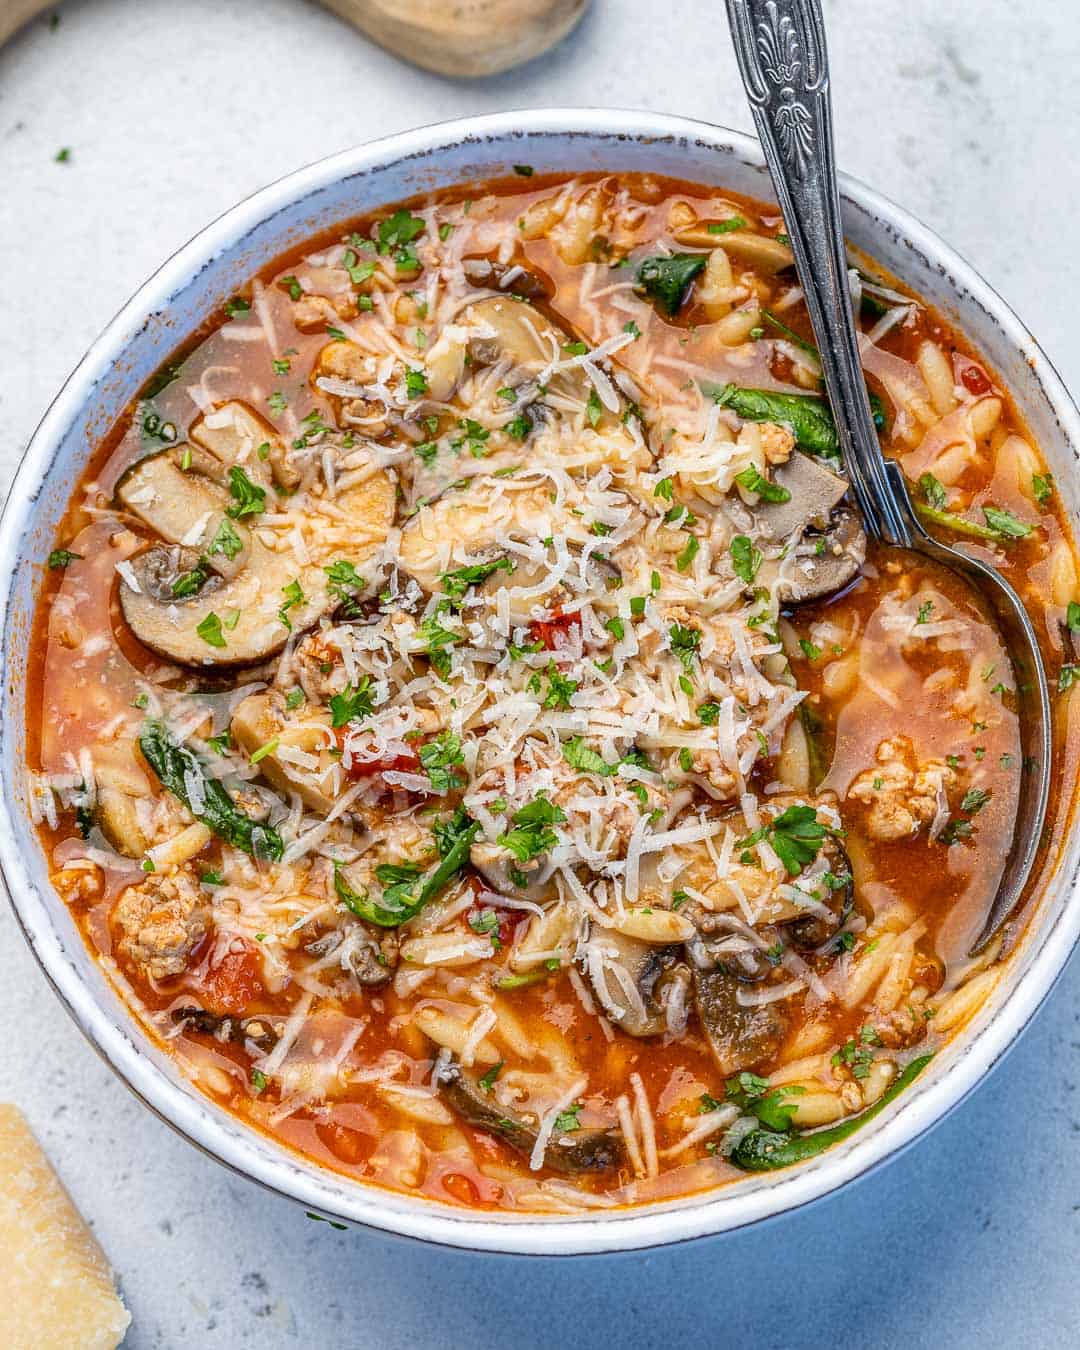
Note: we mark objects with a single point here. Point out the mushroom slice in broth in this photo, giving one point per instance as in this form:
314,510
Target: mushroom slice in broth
236,591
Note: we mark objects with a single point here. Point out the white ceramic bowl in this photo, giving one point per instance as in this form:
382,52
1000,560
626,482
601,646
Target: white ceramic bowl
191,286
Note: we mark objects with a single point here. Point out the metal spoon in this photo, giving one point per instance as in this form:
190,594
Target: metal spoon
780,45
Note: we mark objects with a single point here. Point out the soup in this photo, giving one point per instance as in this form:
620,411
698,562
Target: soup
475,734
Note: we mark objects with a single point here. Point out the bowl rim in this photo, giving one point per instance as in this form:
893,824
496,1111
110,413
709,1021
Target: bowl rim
329,1193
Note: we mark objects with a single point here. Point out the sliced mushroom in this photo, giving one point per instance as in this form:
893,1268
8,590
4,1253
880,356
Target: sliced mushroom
245,592
630,978
567,1151
261,720
814,930
813,511
470,522
524,281
498,329
503,871
235,434
258,1030
187,506
739,1037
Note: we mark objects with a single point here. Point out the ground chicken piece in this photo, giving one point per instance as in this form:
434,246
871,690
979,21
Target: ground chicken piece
901,793
319,667
311,312
706,764
777,442
159,923
901,1028
346,361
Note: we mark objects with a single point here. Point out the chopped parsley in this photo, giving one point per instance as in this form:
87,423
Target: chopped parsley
487,1082
974,800
436,640
210,630
532,834
248,497
753,481
933,492
726,226
353,703
689,553
416,385
745,558
226,541
60,558
293,596
685,643
1005,524
796,836
397,232
559,689
586,760
858,1055
567,1121
190,583
457,584
345,584
439,758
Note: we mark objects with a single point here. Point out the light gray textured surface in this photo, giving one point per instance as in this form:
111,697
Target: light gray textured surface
173,110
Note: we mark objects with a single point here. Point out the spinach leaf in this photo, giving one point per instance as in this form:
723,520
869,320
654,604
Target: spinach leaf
177,768
763,1150
808,416
877,408
668,279
407,892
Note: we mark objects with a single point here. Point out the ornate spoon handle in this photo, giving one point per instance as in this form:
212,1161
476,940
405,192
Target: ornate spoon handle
780,45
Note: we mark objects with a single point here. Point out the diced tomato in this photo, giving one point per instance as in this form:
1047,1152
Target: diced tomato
397,764
407,763
349,1145
508,923
974,379
461,1188
234,980
549,631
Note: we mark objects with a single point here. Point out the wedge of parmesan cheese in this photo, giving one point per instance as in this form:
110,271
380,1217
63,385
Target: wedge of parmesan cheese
56,1290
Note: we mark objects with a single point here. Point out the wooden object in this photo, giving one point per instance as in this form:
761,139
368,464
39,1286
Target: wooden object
463,38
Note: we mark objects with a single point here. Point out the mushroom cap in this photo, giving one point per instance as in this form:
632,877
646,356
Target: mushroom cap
814,510
568,1151
244,583
739,1037
617,964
